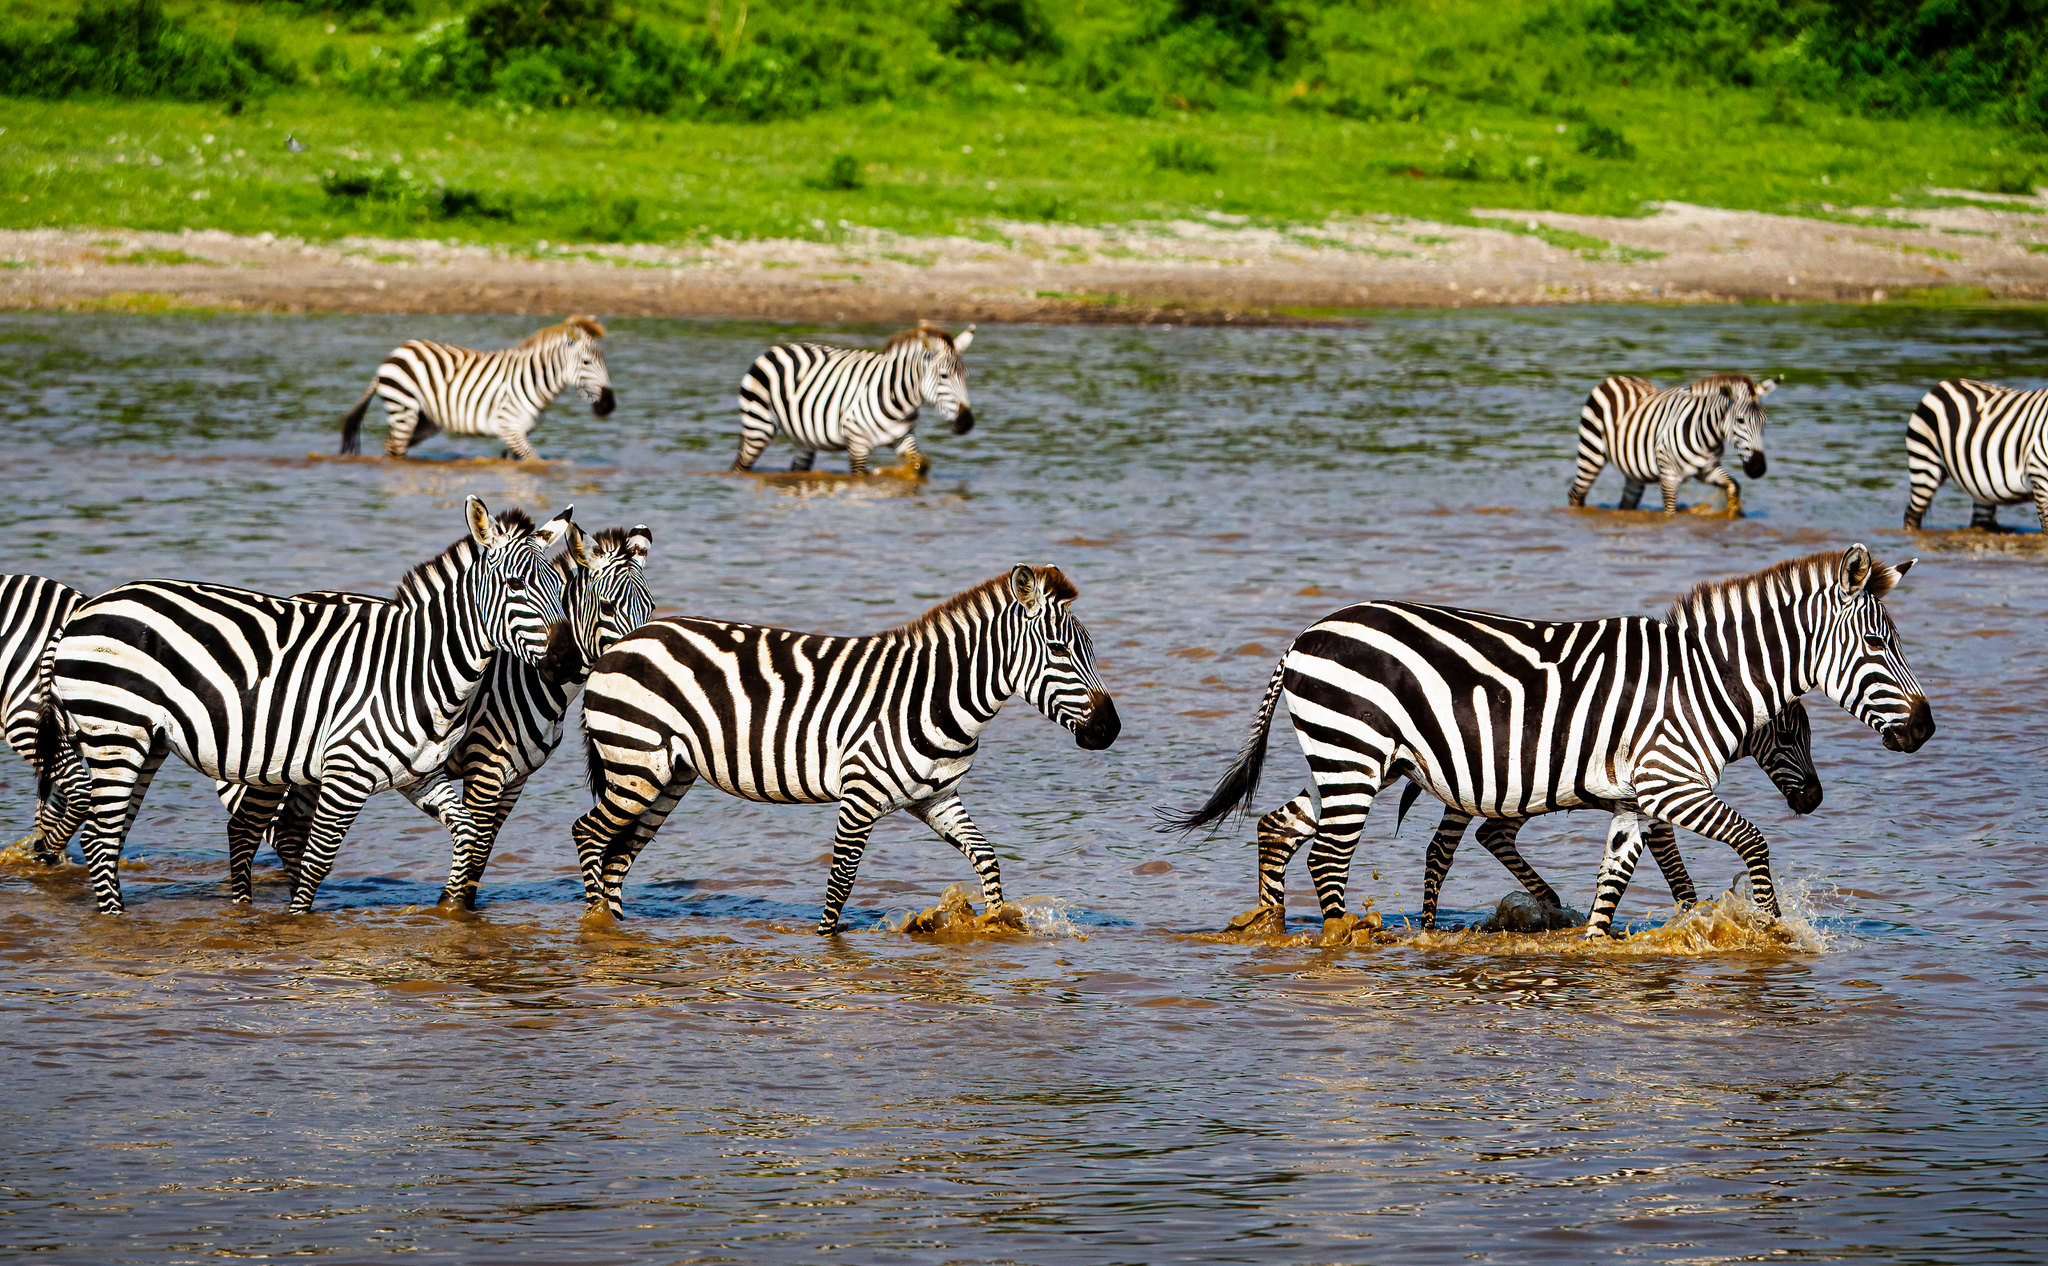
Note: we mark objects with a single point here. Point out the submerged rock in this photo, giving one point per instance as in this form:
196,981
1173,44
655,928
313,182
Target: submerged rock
1260,921
1521,912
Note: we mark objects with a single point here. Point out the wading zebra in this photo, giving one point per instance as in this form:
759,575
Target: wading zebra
1508,718
1667,437
880,723
429,387
1992,440
32,611
1783,746
849,400
518,714
273,693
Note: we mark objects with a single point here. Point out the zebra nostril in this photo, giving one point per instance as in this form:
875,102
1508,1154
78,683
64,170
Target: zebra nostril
1754,465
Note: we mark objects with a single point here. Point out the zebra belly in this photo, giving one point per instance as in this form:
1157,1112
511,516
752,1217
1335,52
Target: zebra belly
1994,478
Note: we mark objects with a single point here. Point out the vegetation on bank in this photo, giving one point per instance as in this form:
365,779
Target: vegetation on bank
515,120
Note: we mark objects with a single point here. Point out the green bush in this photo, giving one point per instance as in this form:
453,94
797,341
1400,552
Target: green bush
135,49
1184,154
843,172
998,31
411,199
1600,141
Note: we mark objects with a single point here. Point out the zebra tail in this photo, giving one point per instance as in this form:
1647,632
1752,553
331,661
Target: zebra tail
1409,795
593,764
49,744
1240,782
352,425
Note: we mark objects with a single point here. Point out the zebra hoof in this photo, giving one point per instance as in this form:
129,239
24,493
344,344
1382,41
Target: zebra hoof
1350,929
1003,914
1260,921
826,928
598,917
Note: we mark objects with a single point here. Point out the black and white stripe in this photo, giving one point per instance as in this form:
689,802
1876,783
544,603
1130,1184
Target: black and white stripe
1667,437
1506,718
849,400
1992,440
276,693
429,387
880,723
517,722
32,612
1783,746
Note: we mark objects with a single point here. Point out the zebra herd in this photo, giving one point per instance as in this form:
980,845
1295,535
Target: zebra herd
453,690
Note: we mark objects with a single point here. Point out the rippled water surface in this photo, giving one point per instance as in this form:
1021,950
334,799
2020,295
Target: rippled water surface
711,1082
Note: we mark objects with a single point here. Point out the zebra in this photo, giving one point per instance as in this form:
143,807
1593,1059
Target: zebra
517,723
429,387
853,401
1992,440
32,612
1667,437
1783,746
1505,718
280,692
880,723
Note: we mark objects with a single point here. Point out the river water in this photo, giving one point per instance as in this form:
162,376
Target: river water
710,1082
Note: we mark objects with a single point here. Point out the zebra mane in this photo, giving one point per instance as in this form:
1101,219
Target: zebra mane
924,328
419,580
611,538
1712,381
989,594
567,329
1809,574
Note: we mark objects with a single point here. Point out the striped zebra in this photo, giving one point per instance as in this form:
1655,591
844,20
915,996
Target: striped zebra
1992,440
429,387
517,722
880,723
274,693
849,400
32,611
1507,718
1782,745
1667,437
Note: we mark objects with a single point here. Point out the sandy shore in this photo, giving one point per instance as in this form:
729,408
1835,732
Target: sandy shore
1207,271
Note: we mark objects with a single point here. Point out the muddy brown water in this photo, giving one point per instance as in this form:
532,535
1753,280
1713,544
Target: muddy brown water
193,1081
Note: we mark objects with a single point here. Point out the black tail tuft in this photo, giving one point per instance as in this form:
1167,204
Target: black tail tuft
593,766
1241,781
49,744
1409,795
352,425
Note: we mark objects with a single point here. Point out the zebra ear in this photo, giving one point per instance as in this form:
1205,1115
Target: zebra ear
1855,569
639,541
1024,587
1905,567
963,338
482,528
547,534
579,548
1768,385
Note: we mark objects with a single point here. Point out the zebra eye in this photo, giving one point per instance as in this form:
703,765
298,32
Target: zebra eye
1876,643
1057,648
515,583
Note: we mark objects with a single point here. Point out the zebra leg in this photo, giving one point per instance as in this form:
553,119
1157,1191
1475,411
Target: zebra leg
908,453
1281,834
947,816
1664,847
441,798
1436,860
1721,479
849,841
522,448
1631,494
406,428
1347,793
805,458
291,826
755,432
58,817
630,808
254,810
488,806
1982,517
1497,836
117,769
2037,478
1699,810
341,799
1617,867
619,858
1592,460
857,449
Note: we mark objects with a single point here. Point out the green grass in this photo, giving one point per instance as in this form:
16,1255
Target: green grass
1466,113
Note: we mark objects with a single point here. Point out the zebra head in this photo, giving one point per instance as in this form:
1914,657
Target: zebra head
613,599
1783,745
518,592
1052,659
945,374
1738,402
1858,661
586,364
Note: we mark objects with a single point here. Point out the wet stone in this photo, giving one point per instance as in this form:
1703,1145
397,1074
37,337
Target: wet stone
1521,912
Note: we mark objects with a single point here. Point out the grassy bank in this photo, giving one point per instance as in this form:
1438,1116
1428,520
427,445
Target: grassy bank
1492,107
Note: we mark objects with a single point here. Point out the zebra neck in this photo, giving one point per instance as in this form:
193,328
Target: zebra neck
903,377
968,667
1749,656
547,368
446,651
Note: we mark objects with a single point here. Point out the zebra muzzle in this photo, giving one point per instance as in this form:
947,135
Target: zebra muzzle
1753,465
1102,725
605,403
1908,735
1806,799
963,421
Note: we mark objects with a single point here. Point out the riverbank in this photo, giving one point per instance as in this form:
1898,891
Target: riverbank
1211,270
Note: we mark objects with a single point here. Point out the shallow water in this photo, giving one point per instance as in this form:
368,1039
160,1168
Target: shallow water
710,1082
